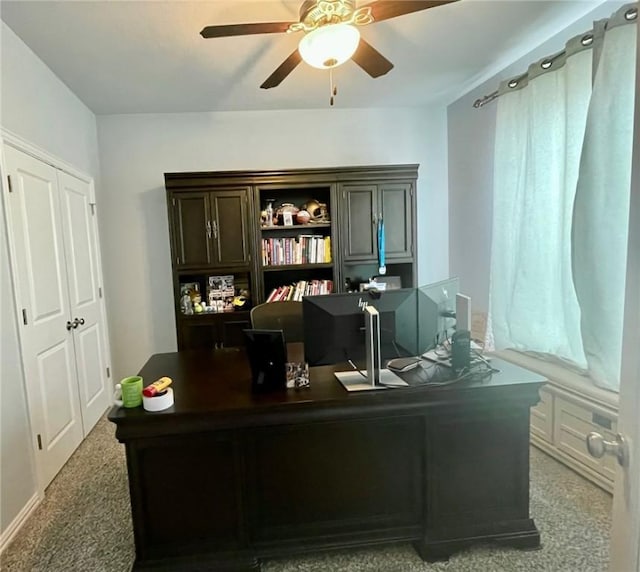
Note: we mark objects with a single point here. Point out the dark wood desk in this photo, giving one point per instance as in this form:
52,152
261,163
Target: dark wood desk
225,478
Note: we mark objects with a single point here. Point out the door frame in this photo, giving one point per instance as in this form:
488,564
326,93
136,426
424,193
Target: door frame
625,525
9,138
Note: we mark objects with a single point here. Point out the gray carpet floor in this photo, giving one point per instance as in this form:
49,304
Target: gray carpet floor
84,524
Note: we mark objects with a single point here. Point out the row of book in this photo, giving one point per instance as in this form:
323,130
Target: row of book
299,289
304,249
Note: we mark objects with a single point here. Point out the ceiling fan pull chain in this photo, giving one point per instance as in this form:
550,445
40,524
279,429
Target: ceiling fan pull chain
333,90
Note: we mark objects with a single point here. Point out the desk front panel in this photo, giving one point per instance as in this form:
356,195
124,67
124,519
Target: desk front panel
188,494
330,478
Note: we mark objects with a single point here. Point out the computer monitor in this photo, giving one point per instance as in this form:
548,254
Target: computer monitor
334,329
436,313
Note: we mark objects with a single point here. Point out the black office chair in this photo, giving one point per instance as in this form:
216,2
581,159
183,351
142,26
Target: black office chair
285,316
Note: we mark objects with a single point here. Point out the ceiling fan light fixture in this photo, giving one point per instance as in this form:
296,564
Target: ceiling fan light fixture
329,46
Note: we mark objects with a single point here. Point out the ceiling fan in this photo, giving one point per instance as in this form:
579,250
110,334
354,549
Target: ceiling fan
330,36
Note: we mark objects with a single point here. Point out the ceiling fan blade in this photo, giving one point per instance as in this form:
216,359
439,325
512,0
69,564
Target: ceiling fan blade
371,60
385,9
244,29
284,69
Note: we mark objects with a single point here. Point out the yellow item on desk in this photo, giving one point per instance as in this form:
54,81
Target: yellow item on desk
157,387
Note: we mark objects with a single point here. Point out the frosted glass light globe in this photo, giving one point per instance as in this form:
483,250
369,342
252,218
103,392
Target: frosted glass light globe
329,46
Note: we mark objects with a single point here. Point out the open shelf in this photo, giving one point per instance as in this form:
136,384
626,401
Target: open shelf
307,226
276,267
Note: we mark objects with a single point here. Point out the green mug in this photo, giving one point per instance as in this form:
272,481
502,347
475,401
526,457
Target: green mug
129,392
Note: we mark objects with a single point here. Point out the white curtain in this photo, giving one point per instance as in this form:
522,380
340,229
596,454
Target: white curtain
539,135
601,219
561,203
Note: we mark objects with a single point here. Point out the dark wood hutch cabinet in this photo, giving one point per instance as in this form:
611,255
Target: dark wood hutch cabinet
215,229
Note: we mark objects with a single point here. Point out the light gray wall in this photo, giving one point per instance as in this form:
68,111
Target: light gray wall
135,151
471,139
40,108
37,106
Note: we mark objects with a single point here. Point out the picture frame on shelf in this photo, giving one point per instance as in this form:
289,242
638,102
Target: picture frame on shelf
220,293
287,218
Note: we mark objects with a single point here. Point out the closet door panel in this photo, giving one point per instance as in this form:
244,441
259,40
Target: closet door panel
78,223
61,432
41,283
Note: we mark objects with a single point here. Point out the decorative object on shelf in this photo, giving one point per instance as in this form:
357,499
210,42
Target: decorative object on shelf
220,293
197,303
290,210
188,292
317,210
185,305
268,212
242,300
303,217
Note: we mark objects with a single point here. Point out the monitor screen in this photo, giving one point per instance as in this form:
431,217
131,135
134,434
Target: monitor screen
436,313
334,325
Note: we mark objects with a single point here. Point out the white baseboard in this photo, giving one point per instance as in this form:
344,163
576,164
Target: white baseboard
7,535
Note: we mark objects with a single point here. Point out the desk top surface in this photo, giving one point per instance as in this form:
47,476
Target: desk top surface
218,382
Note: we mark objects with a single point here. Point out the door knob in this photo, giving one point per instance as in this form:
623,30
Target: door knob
598,447
69,325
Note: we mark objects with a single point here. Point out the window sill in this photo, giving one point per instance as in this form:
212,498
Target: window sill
563,378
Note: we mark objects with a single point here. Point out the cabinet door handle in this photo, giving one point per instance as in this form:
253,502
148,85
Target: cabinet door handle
209,229
69,325
215,229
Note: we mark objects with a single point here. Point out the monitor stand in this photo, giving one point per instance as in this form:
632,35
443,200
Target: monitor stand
374,377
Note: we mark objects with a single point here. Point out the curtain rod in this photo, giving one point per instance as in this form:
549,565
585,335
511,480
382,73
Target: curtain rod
630,15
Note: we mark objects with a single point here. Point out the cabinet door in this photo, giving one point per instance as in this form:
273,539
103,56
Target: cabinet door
191,229
230,236
358,228
397,210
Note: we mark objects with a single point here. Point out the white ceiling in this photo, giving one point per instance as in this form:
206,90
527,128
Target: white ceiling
148,56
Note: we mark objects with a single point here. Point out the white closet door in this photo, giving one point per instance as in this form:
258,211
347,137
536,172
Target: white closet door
47,344
86,308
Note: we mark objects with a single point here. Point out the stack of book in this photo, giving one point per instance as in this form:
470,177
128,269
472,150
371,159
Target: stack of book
304,249
302,288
